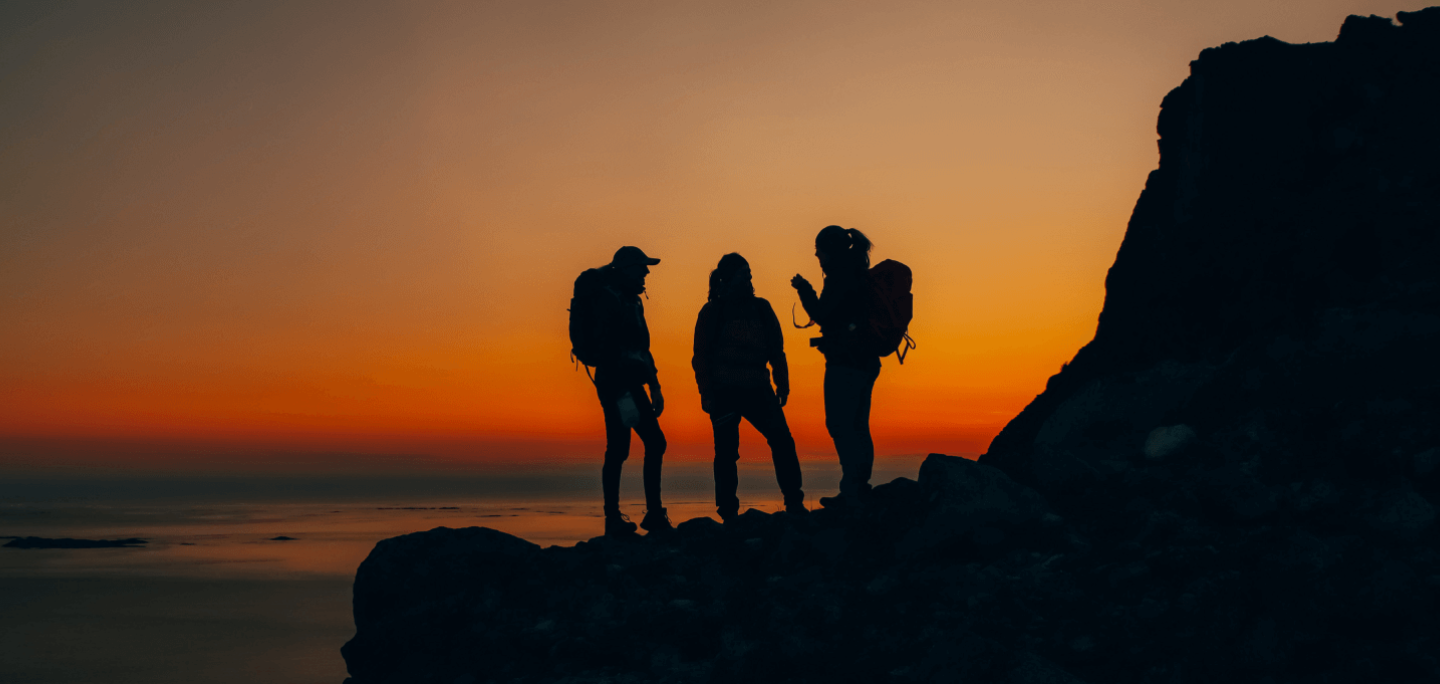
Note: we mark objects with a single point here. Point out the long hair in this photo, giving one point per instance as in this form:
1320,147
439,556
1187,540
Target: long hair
848,249
724,271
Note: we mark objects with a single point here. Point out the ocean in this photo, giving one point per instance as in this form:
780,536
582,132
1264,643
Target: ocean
217,597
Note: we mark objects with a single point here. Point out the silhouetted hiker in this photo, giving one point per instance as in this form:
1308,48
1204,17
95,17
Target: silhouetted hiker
852,363
608,331
736,335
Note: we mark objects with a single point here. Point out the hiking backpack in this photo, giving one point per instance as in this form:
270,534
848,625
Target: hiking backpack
890,307
586,327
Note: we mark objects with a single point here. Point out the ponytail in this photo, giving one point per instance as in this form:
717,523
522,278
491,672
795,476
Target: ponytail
860,247
849,246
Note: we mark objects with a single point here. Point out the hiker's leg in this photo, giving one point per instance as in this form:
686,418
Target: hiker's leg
839,406
845,390
725,423
865,450
764,412
649,431
617,449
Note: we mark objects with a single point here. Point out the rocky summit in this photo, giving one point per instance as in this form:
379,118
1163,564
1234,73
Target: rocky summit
1236,481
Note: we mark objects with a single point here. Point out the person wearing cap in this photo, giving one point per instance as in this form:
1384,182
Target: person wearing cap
622,372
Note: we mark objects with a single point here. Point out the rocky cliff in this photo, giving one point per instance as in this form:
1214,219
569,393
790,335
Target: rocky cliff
1277,288
1235,481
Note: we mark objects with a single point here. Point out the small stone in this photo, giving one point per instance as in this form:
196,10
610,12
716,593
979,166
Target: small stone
963,496
1404,514
1427,461
1186,602
987,536
1166,441
1149,609
880,585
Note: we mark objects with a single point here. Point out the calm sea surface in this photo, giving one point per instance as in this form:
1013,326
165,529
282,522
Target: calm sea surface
214,598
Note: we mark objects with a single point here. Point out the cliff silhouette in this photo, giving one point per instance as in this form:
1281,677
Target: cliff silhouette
1235,480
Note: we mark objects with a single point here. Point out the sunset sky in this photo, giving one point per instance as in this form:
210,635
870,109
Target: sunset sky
236,229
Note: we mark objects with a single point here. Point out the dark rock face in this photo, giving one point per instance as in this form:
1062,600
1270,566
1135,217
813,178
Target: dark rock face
1277,293
1237,480
1265,373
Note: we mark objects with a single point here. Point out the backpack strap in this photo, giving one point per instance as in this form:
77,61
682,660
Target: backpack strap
587,368
907,344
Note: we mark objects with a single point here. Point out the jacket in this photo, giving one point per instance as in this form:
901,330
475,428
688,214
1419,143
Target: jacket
734,340
624,357
840,309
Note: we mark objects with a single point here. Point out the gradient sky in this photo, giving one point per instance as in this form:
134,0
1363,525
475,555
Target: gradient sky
259,228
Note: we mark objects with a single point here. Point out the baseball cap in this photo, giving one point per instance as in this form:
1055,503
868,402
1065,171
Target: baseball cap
631,256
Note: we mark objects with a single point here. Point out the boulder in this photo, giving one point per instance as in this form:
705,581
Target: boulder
968,501
1427,462
1166,441
1403,514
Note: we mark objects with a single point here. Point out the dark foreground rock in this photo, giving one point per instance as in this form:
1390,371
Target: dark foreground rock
909,591
67,543
824,596
1236,481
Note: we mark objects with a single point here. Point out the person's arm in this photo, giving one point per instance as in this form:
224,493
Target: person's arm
650,374
704,338
657,400
826,306
775,348
808,299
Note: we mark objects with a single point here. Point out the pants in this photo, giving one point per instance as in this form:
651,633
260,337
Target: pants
762,409
617,444
847,418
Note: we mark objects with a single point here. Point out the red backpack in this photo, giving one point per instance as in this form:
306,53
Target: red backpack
890,306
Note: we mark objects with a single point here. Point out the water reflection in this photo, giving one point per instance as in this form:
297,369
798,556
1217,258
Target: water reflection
214,598
239,539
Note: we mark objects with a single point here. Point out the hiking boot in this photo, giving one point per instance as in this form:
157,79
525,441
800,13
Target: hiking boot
728,514
656,521
797,508
618,525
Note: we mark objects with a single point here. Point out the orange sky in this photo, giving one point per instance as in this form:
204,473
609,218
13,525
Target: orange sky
354,227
